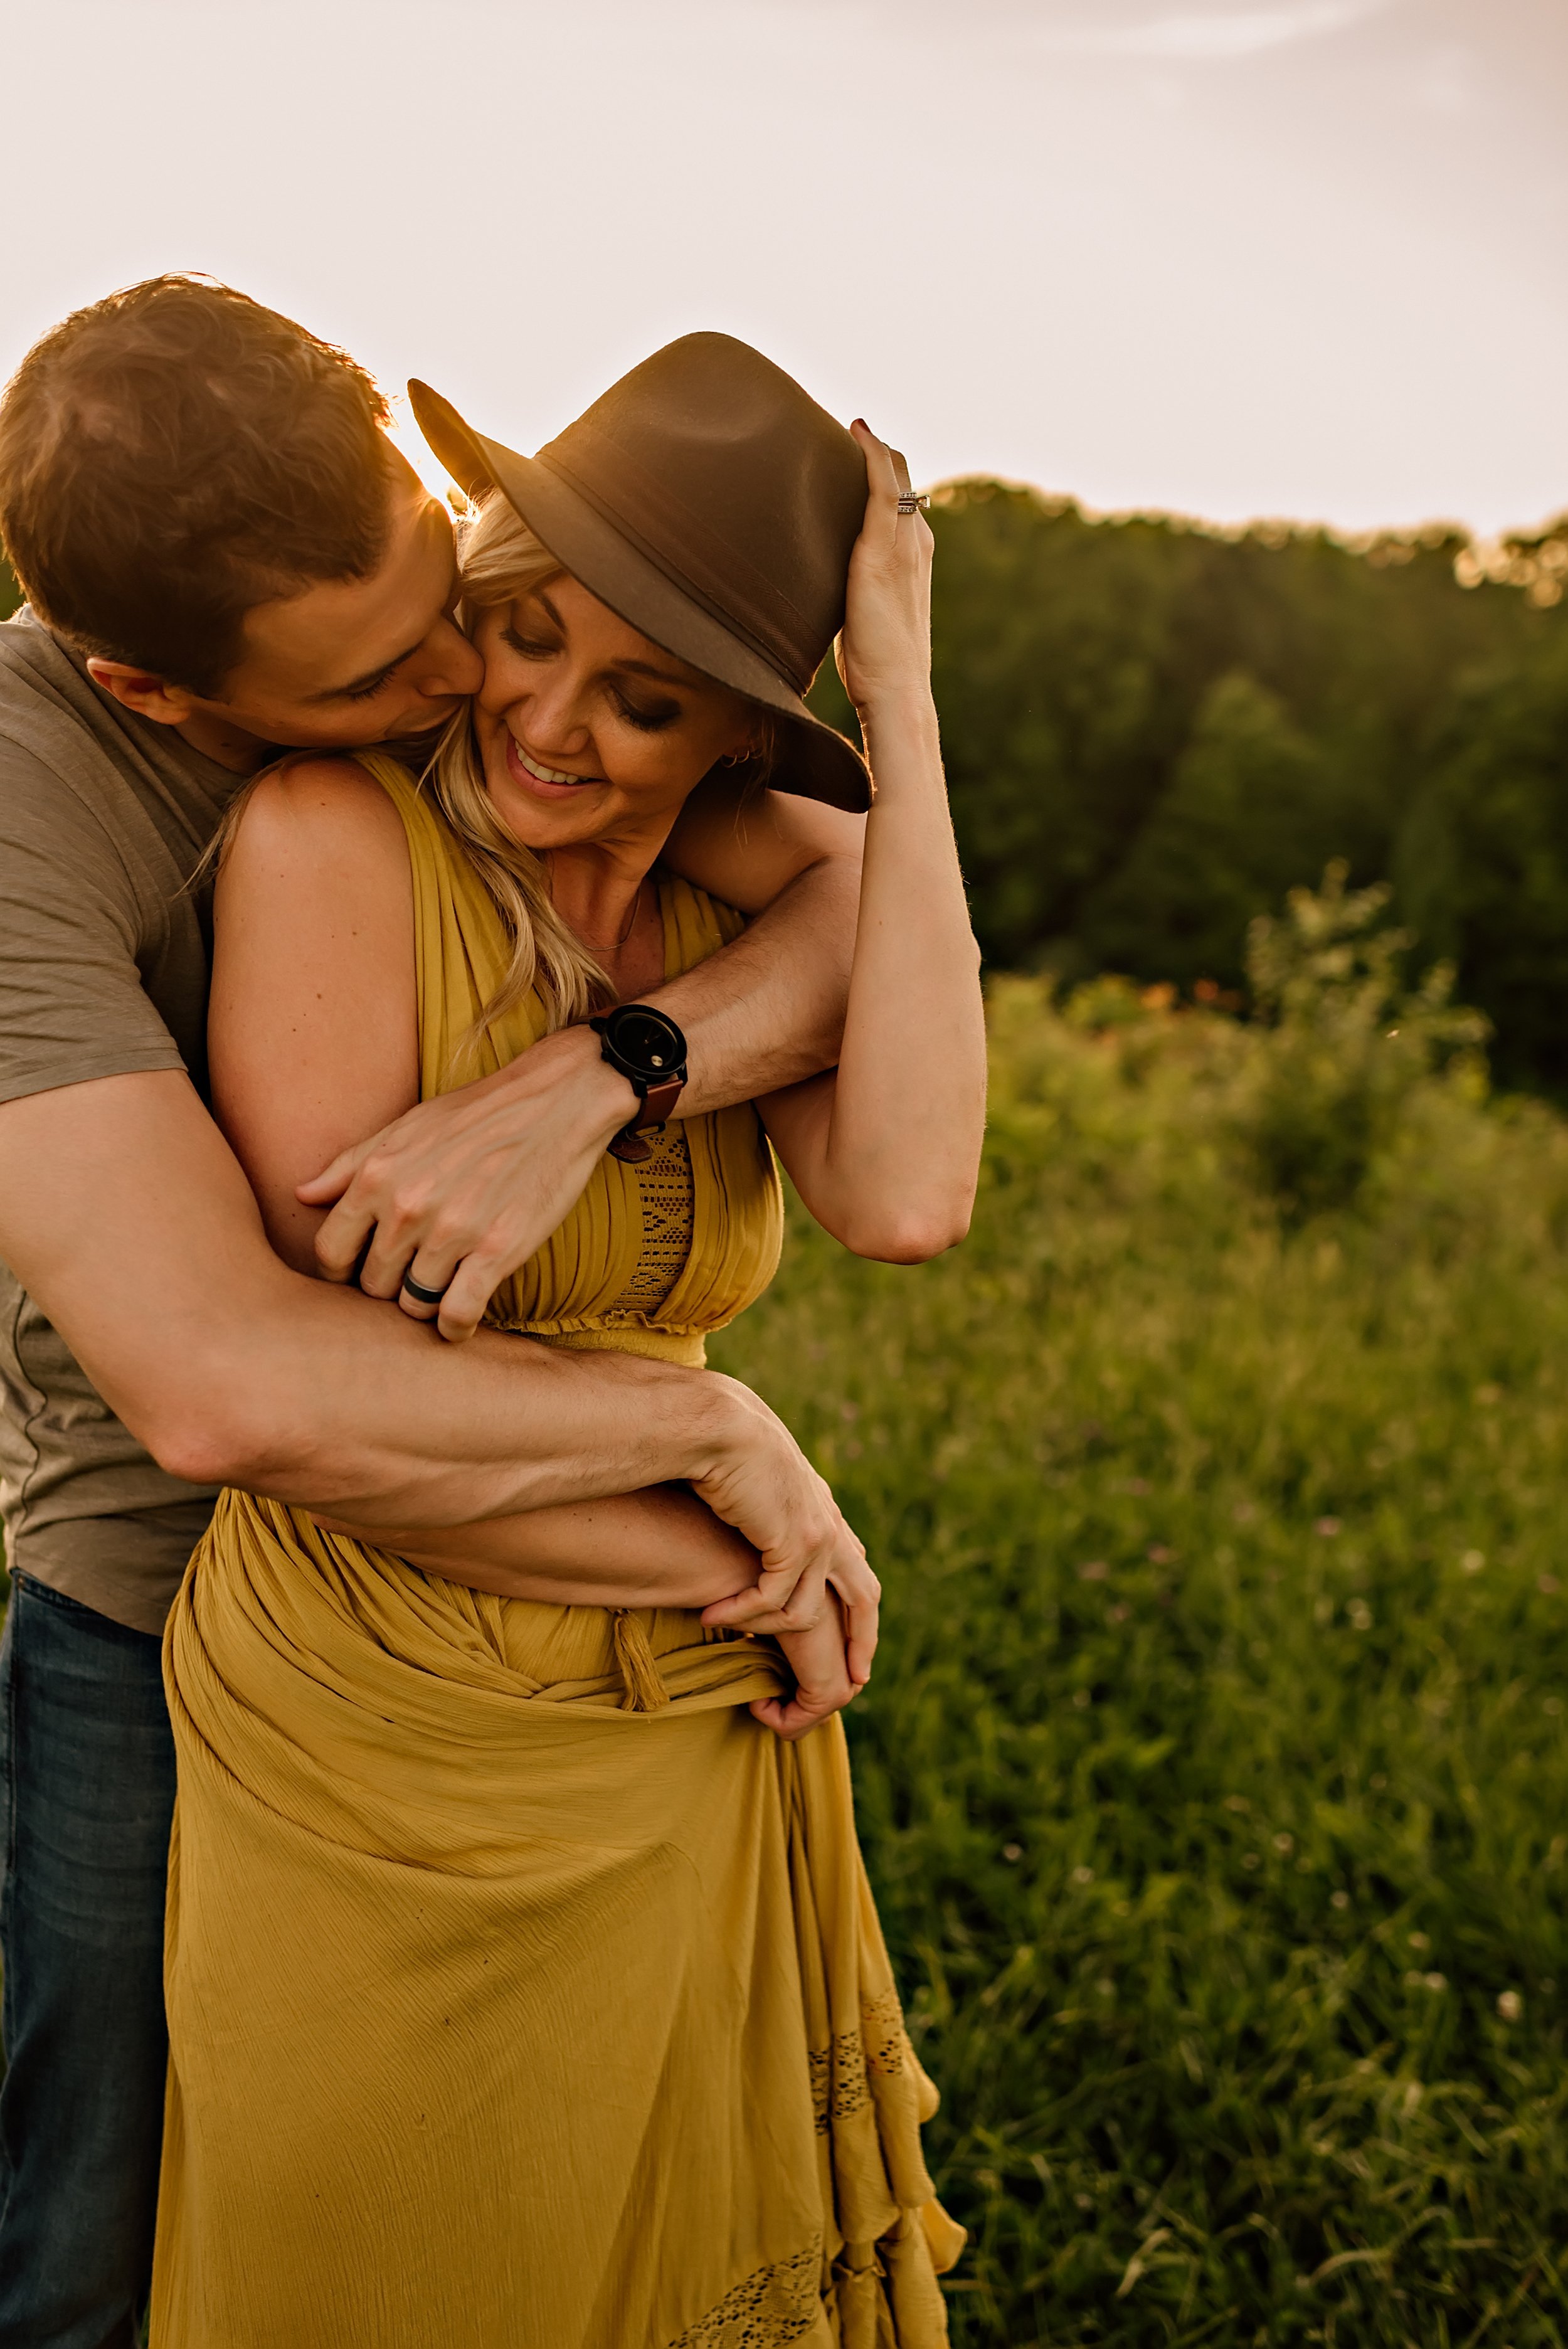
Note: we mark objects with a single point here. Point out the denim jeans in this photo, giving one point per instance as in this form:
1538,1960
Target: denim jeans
87,1778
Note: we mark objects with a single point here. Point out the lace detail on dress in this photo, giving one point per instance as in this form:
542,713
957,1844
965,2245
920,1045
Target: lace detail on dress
840,2072
664,1186
773,2306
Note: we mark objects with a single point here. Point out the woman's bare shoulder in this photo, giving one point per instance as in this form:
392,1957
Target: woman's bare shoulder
310,816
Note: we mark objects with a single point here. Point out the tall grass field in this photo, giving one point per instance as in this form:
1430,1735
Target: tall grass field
1214,1775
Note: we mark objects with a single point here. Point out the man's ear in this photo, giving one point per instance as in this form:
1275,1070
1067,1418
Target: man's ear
139,690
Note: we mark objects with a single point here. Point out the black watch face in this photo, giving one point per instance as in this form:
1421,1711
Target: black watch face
649,1044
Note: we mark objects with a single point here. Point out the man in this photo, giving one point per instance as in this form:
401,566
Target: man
224,554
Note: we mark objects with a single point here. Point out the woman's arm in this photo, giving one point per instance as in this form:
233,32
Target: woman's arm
885,1150
659,1547
312,1042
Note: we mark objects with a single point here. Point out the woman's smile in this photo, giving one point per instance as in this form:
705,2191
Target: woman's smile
530,770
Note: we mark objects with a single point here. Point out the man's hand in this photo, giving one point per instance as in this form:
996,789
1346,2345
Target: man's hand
761,1483
463,1188
822,1682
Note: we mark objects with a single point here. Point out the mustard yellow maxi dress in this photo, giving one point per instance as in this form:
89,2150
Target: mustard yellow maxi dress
523,1992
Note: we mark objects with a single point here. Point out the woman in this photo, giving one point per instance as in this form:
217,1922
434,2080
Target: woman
522,1989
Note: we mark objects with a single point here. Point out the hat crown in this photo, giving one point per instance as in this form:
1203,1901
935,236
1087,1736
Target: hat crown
732,480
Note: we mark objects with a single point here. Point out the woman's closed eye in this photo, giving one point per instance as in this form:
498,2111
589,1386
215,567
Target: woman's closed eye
648,720
530,647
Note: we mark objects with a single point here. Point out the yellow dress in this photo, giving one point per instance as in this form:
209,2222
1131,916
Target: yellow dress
523,1992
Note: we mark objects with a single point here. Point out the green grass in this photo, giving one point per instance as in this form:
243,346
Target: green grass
1214,1778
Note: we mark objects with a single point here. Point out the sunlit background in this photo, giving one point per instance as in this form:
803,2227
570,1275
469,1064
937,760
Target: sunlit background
1239,257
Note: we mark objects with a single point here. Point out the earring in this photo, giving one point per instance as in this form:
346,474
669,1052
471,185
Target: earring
737,757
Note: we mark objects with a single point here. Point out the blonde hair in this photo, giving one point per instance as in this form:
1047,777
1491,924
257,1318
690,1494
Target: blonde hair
500,560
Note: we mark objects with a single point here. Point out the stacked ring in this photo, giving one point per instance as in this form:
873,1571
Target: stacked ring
419,1293
912,502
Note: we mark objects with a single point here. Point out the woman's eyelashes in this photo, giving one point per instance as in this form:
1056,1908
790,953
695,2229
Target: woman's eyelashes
647,721
647,717
530,647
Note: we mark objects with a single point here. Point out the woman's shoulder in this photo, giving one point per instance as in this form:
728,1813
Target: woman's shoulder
310,819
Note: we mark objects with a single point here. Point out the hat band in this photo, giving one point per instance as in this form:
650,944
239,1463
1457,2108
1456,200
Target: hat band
791,662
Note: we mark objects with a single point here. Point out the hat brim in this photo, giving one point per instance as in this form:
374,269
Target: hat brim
815,762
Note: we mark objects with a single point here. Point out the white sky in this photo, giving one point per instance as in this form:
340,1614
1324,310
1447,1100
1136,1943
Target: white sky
1303,257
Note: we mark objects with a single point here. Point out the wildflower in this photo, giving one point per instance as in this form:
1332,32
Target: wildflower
1326,1526
1548,1583
1237,1802
1119,1613
1083,1876
1509,2006
1420,1941
1161,1554
1081,1698
1248,1859
1472,1561
1339,1900
1012,1851
1360,1614
1435,1982
1285,1843
1096,1570
1553,1705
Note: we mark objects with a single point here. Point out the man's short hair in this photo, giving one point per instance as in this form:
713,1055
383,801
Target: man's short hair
175,455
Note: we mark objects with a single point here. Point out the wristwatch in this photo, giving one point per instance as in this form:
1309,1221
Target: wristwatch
651,1054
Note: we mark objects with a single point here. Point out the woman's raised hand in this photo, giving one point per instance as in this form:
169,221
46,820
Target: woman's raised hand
884,650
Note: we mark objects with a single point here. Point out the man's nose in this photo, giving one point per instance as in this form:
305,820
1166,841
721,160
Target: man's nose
448,664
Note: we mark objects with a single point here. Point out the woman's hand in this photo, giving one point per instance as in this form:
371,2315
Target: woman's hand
885,651
823,1684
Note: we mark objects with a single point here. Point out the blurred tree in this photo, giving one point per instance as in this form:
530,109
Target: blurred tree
1251,805
1481,864
1153,730
10,594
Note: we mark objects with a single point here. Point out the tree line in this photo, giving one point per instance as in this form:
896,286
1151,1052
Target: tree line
1154,730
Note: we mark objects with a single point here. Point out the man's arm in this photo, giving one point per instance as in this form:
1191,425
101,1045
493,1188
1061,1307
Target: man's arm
125,1214
483,1176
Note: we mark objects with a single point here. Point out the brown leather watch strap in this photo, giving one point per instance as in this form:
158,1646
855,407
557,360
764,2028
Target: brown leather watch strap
658,1106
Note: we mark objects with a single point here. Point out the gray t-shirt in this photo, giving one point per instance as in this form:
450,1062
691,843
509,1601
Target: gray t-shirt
105,961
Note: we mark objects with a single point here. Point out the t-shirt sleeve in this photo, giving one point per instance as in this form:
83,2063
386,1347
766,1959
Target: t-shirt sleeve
72,932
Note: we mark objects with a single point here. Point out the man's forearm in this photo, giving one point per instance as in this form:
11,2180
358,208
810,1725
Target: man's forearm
125,1214
770,1009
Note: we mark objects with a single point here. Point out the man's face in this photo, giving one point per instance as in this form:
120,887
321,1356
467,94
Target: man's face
349,662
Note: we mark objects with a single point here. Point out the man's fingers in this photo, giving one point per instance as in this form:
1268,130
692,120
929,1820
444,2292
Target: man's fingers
472,1286
434,1269
793,1718
333,1180
776,1601
340,1242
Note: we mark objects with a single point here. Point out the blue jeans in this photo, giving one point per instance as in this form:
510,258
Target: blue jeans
87,1778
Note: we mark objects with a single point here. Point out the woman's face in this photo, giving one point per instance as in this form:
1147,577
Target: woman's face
586,729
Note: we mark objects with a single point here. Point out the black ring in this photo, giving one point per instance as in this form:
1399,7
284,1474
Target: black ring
420,1294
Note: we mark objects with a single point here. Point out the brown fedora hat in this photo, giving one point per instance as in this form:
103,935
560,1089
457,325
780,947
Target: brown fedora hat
713,505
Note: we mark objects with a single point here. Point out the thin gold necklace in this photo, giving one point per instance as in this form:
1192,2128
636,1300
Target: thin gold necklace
612,945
